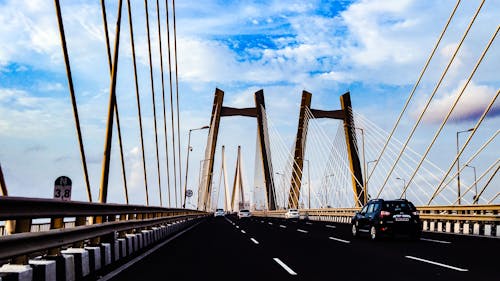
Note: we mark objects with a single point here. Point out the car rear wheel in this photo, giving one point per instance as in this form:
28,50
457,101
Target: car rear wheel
373,233
354,230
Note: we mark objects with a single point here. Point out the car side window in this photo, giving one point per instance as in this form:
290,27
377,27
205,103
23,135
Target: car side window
370,208
377,207
363,211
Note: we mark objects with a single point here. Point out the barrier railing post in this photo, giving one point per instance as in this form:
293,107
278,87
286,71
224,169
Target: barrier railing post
56,223
20,226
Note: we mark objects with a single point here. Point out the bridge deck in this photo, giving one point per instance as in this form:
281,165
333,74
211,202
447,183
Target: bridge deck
218,250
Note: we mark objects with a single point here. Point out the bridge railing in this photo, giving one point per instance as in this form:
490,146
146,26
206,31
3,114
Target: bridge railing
74,224
460,219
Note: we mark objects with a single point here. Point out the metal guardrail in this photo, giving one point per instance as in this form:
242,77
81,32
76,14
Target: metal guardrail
466,219
91,221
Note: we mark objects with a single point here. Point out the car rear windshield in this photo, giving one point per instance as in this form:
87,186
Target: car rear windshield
293,210
220,210
398,206
244,211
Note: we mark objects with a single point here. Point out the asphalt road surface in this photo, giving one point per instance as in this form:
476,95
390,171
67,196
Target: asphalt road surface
226,248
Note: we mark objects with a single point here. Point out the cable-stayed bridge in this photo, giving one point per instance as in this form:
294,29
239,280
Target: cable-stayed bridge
337,160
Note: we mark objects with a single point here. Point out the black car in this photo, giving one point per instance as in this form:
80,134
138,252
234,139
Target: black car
387,217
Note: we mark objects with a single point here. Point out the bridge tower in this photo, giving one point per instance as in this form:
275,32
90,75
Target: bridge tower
218,111
345,114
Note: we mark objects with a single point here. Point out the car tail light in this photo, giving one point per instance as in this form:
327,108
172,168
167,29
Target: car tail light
384,214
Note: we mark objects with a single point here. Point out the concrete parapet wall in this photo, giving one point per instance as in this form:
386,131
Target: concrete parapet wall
85,263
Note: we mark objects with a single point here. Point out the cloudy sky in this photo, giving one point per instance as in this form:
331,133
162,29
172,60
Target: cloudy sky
374,49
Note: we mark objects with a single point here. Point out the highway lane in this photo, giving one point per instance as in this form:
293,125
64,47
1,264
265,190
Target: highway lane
267,248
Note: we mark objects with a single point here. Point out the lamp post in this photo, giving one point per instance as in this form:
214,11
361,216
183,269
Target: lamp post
281,174
404,185
458,163
475,183
200,176
189,148
308,185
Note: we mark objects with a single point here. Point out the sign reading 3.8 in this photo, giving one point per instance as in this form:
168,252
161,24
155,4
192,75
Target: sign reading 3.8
62,188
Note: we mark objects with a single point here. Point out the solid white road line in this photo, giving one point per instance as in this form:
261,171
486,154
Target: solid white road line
330,226
437,263
288,269
303,231
242,231
340,240
282,226
437,241
255,241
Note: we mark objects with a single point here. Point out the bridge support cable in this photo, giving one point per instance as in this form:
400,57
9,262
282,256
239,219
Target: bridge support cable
103,192
417,123
495,196
428,175
472,157
422,72
462,195
137,94
286,159
110,63
281,158
450,111
153,97
440,187
73,98
163,103
174,170
356,177
177,97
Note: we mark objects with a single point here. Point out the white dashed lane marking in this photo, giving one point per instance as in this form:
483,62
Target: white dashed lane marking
288,269
255,241
437,263
330,226
436,241
340,240
303,231
282,226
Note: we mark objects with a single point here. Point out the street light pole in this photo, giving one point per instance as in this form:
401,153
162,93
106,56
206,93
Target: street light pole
404,185
187,162
308,185
458,163
475,182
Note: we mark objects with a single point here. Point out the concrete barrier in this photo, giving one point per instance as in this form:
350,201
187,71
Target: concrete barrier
466,228
487,229
65,267
440,227
17,272
94,258
425,225
476,228
448,227
122,247
432,228
43,270
498,231
456,227
105,254
81,258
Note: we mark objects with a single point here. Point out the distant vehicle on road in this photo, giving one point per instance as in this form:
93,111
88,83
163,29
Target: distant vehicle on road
292,214
219,213
244,213
387,217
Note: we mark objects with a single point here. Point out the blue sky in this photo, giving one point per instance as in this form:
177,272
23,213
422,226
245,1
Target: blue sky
374,49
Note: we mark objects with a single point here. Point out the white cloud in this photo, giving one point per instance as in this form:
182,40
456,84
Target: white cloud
472,104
